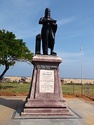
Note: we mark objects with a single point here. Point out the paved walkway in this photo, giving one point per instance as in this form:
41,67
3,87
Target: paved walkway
83,109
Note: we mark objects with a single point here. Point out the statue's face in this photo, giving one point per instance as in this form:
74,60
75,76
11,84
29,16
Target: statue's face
47,13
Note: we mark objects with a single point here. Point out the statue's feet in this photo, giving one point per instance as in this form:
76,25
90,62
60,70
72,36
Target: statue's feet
45,53
53,53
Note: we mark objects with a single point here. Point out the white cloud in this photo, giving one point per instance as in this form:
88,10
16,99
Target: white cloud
72,35
64,21
69,58
69,54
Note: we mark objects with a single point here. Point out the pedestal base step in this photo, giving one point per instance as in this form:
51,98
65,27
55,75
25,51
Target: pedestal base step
46,112
45,103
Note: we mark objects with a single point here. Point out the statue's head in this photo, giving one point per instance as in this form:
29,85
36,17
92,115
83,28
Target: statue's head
47,13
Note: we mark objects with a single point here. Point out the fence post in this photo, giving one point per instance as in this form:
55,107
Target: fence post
0,87
81,89
73,88
88,89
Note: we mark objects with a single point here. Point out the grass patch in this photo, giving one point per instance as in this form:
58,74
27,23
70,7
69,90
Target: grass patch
67,89
78,89
15,87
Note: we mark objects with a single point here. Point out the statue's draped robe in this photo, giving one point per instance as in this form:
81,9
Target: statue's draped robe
48,33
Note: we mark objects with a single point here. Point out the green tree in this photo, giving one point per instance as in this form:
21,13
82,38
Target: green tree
12,50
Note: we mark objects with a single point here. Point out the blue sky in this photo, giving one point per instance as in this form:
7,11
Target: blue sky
75,19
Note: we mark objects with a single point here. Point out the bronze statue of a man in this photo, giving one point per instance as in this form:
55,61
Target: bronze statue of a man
48,31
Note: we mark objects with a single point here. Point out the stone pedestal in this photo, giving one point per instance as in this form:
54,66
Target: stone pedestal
45,95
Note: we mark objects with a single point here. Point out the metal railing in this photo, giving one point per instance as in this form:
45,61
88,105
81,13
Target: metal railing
78,89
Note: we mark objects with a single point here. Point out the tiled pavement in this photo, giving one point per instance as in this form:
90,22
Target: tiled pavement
9,113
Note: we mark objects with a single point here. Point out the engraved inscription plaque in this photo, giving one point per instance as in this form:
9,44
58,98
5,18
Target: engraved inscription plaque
46,81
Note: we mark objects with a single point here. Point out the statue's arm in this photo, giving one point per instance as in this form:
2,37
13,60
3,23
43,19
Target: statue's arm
52,20
41,20
49,20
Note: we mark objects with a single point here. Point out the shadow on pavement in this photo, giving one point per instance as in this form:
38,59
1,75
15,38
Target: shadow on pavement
11,103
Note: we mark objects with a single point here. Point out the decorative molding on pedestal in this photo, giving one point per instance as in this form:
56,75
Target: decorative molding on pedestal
45,95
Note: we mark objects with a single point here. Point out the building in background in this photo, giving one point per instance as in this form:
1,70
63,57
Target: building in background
63,80
76,80
17,79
